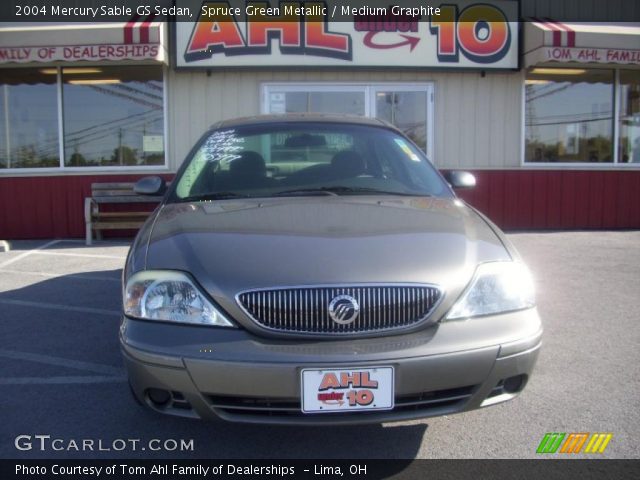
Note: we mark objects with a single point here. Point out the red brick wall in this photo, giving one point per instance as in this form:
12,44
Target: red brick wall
52,207
49,207
558,199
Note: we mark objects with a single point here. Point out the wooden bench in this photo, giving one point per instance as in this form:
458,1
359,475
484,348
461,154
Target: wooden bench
113,193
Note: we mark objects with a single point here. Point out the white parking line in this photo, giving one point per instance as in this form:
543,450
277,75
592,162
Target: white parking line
54,306
68,254
72,240
60,380
61,362
27,253
80,276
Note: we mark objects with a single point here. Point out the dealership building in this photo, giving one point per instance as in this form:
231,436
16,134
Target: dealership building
542,107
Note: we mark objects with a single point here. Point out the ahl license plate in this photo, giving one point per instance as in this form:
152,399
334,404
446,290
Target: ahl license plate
347,389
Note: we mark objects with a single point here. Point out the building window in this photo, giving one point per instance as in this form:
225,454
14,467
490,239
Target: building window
28,119
406,110
407,106
111,117
578,115
629,121
569,115
345,102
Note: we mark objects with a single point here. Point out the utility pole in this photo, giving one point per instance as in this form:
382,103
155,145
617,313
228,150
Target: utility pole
144,153
7,125
120,145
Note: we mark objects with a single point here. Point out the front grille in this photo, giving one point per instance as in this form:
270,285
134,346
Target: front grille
282,407
307,309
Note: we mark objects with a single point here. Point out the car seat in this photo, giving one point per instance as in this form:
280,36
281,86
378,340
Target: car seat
249,171
347,164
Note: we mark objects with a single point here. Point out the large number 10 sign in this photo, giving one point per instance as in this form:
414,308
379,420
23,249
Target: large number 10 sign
481,32
462,34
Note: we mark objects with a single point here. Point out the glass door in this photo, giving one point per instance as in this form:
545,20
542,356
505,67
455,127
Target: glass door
340,99
409,108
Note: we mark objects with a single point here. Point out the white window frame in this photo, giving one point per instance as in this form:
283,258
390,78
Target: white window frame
615,165
368,89
62,168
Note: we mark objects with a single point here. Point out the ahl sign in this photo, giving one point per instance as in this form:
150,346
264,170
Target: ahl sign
455,34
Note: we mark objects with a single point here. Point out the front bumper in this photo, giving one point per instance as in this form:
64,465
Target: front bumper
231,374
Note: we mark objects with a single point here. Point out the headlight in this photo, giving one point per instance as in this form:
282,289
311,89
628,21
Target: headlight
496,287
169,296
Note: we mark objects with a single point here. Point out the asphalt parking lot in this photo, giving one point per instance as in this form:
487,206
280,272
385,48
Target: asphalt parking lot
62,376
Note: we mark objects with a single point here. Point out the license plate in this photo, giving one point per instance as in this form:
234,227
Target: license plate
346,389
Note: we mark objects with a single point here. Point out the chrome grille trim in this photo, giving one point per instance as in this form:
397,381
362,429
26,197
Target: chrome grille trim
304,309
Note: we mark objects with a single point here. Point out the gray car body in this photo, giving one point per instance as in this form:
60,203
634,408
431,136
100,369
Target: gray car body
232,246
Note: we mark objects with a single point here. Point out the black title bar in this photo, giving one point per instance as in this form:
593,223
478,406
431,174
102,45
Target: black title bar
67,11
319,469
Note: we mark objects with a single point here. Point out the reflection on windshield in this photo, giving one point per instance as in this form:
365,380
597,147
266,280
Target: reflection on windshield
294,159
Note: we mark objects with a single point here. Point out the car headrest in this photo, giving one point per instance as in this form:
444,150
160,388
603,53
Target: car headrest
348,163
250,163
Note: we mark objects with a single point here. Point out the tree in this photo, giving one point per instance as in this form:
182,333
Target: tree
77,160
124,156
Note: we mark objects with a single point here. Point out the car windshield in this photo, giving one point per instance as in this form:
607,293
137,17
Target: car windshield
305,158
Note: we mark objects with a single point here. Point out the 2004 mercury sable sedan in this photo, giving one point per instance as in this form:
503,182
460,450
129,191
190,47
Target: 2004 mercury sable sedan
319,270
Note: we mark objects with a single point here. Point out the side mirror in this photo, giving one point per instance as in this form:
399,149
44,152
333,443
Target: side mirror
150,186
460,179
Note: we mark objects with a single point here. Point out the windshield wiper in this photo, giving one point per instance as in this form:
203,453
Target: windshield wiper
214,196
305,192
373,191
342,190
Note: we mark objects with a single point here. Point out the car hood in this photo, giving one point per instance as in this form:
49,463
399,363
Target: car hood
235,245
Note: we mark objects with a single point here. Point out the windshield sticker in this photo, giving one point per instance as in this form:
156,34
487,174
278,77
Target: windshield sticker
223,147
405,148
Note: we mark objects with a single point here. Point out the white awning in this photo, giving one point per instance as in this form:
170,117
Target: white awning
549,41
136,40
